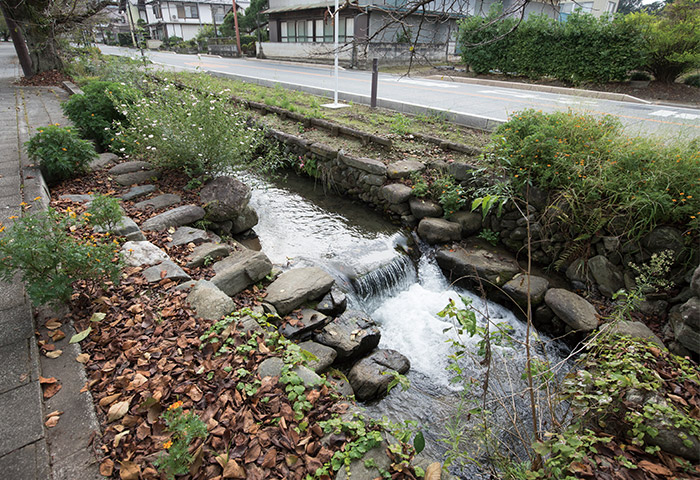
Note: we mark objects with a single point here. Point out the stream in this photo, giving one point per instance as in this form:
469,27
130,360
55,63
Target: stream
302,226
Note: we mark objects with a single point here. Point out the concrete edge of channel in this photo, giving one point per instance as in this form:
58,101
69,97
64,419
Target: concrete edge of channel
580,92
68,443
466,119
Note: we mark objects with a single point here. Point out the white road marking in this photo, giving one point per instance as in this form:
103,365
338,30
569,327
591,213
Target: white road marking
663,113
423,83
509,94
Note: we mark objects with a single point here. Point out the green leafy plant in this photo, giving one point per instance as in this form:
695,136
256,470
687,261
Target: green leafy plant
104,211
489,235
420,187
186,427
50,259
640,76
61,154
693,80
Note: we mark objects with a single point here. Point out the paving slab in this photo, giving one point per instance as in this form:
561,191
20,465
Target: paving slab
12,294
15,324
28,462
21,425
15,365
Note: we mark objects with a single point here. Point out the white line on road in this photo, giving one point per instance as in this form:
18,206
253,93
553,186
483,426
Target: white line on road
421,83
509,94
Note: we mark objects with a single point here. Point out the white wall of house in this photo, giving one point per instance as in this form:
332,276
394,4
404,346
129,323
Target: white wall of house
183,19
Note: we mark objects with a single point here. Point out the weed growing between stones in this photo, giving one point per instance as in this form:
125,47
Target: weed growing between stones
60,153
186,428
104,211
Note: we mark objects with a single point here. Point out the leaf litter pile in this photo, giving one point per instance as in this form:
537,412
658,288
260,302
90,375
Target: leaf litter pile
144,353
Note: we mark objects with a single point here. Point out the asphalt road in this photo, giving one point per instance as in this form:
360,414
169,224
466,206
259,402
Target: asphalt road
475,102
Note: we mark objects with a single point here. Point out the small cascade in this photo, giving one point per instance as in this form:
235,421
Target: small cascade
386,280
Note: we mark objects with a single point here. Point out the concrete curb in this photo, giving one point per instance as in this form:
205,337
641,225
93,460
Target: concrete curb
477,122
621,97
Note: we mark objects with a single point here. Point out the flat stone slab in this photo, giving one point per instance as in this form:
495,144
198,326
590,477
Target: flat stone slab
422,208
368,165
351,335
294,287
133,178
23,423
211,251
16,325
572,309
325,356
125,227
167,270
161,201
12,294
15,365
77,198
209,302
272,367
138,191
129,167
243,268
185,235
439,230
404,168
28,463
396,193
493,267
136,254
174,218
103,160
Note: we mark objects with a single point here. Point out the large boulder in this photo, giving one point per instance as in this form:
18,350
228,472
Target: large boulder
404,168
396,193
664,238
439,230
608,276
240,270
140,253
272,367
572,309
470,263
176,217
209,302
422,208
185,235
247,219
632,329
470,222
517,289
224,198
297,286
351,335
302,324
371,376
205,253
686,325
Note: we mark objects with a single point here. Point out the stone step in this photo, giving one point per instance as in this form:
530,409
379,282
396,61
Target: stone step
176,217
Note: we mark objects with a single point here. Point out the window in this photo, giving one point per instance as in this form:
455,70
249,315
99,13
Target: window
301,31
328,31
309,31
318,37
586,7
156,11
612,6
187,10
218,14
283,32
349,29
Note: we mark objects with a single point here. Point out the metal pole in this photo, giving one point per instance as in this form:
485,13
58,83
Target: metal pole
235,23
130,20
375,75
335,19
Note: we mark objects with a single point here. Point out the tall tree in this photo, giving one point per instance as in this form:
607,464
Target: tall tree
42,22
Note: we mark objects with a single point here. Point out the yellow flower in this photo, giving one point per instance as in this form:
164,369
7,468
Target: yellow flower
37,199
168,444
13,217
175,405
64,149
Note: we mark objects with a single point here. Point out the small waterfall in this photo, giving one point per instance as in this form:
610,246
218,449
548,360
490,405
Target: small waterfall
386,280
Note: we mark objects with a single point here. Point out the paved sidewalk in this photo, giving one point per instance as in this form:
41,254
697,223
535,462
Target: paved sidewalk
29,450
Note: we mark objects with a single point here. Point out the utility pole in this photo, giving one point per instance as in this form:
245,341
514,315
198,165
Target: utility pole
235,23
213,19
130,20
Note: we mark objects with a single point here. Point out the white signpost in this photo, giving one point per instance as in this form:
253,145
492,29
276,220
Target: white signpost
335,103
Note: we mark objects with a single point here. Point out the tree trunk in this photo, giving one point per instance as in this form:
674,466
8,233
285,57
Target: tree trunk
38,31
19,43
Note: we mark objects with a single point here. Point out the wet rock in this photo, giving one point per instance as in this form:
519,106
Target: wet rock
439,230
470,263
422,208
209,302
370,377
167,270
161,201
136,254
294,287
469,221
272,367
185,235
325,356
174,218
240,270
404,168
103,160
572,309
210,251
246,220
632,329
224,198
129,167
396,193
138,191
333,304
686,325
351,335
607,276
302,324
517,289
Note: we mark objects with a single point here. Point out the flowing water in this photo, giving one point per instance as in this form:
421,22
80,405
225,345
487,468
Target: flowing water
300,226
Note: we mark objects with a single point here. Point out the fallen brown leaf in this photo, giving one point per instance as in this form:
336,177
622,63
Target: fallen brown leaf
117,411
129,470
82,358
106,467
233,470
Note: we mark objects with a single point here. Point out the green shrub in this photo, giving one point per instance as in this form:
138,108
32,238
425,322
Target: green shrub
582,49
104,211
95,111
195,133
61,154
50,260
600,174
693,80
640,76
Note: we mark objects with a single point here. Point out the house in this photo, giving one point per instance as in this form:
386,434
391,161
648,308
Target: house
596,8
164,18
113,26
303,29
